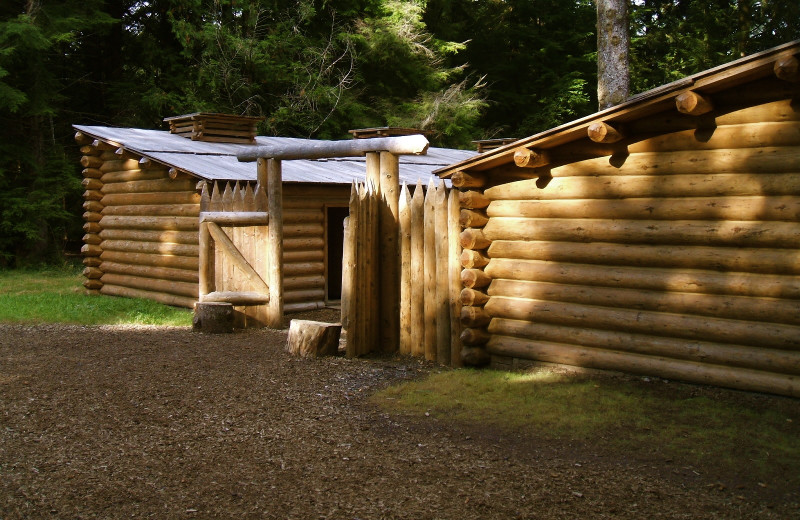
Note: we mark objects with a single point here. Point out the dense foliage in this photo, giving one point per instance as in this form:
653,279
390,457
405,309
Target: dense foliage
462,69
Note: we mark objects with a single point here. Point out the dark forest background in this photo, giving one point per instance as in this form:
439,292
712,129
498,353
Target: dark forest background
462,69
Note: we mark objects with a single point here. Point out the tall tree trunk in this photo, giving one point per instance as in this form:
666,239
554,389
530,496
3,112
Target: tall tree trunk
613,42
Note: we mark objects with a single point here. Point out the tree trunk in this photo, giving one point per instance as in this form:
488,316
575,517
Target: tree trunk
613,42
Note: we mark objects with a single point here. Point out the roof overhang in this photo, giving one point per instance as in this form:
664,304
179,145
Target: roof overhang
663,98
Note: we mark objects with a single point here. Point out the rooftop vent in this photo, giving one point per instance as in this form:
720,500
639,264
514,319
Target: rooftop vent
385,131
215,128
490,144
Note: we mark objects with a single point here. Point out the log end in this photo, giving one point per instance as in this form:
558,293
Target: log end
475,357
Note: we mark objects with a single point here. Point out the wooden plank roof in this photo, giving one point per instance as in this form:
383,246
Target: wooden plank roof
639,106
217,161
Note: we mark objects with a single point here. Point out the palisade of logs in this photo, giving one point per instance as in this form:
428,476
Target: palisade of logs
677,256
426,304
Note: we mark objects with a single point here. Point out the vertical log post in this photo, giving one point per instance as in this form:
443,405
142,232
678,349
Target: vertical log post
430,272
390,252
442,277
454,276
405,271
371,253
272,170
418,271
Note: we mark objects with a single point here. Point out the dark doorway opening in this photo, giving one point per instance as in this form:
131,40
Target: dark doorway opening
335,240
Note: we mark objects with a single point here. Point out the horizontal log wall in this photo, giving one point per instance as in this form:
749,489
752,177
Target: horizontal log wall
677,256
142,238
304,243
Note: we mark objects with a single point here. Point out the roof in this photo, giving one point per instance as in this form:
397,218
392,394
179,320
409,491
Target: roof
217,161
711,81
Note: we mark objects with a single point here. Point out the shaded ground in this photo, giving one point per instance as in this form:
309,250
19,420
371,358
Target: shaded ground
112,422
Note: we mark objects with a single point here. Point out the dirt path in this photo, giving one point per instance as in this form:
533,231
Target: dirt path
113,422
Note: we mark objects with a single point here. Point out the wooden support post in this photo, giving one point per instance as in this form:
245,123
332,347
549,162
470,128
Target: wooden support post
389,258
271,169
693,104
206,262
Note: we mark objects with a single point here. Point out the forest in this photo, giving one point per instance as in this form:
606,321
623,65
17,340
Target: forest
460,69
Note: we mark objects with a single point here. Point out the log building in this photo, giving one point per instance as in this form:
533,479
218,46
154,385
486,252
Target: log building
145,189
660,236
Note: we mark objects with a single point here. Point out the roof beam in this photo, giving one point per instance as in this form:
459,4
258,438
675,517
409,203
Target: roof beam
693,104
601,132
787,68
313,149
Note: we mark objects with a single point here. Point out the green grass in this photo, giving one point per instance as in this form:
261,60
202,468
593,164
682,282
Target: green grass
671,421
55,295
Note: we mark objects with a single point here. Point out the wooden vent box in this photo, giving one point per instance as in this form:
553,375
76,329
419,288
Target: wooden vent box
215,128
385,131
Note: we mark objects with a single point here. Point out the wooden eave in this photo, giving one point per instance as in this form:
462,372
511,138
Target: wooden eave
648,103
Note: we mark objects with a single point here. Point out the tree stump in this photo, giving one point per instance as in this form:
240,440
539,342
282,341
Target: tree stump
313,338
213,317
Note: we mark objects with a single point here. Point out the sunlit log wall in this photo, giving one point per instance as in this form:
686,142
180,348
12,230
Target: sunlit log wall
141,226
677,256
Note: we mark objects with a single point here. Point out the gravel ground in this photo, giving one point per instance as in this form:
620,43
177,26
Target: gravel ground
138,422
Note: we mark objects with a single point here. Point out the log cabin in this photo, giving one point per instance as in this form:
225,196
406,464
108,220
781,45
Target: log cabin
660,236
146,189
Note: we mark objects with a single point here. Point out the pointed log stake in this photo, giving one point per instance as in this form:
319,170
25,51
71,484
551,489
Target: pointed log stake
787,68
145,163
601,132
693,104
526,158
404,209
429,263
173,173
417,271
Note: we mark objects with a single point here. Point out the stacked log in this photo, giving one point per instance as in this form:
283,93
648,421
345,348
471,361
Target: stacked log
474,280
304,246
678,259
141,227
91,249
